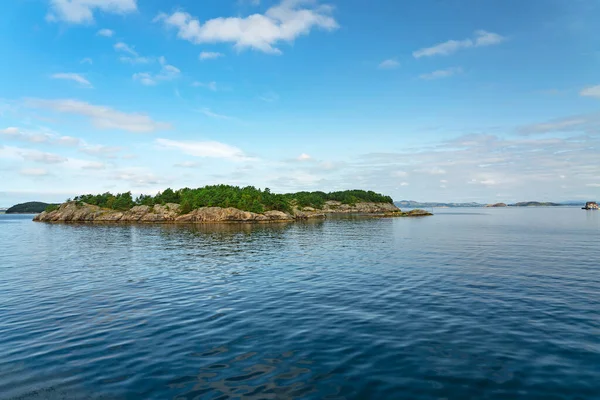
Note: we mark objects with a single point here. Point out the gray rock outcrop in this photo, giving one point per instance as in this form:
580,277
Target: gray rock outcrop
170,213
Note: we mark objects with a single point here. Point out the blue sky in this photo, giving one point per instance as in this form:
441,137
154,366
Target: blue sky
457,100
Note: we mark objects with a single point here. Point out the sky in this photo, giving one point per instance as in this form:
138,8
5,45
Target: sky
428,100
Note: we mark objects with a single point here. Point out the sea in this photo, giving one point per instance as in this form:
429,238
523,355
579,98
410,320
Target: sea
472,303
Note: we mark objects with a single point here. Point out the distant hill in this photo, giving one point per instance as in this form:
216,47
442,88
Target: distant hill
32,207
417,204
535,204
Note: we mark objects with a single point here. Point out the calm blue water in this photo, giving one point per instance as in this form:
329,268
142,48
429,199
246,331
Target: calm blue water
468,304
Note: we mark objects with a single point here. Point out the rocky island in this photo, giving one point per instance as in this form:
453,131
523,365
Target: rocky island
497,205
591,205
222,203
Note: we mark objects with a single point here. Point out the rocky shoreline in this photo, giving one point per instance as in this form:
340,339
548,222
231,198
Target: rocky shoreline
170,213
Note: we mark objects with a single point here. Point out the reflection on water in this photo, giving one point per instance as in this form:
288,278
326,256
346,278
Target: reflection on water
497,304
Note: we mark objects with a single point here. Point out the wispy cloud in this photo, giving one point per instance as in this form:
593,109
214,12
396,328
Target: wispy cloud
102,117
86,60
105,33
209,85
73,77
26,136
481,39
34,172
592,91
588,123
133,57
167,73
284,22
101,151
125,48
208,149
441,73
389,64
304,157
269,97
209,113
43,158
210,55
187,164
82,11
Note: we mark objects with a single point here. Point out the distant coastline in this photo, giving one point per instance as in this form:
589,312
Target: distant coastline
417,204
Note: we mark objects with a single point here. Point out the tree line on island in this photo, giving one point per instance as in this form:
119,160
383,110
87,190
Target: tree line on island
247,198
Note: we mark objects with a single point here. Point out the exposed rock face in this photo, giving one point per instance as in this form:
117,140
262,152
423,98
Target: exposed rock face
591,205
218,214
336,207
497,205
170,213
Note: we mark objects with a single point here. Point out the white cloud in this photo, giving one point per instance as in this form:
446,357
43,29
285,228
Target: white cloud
187,164
73,77
33,172
82,11
10,131
27,136
145,78
442,73
304,157
86,60
208,149
432,171
209,113
94,166
100,151
404,184
589,123
593,185
209,85
44,158
389,64
481,39
134,57
135,60
102,117
125,48
138,177
106,33
167,73
592,91
68,141
284,22
210,55
399,174
40,136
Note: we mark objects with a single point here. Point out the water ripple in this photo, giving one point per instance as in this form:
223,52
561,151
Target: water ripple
498,304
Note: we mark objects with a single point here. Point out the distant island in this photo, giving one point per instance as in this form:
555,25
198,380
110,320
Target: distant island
497,205
32,207
221,203
591,205
535,204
